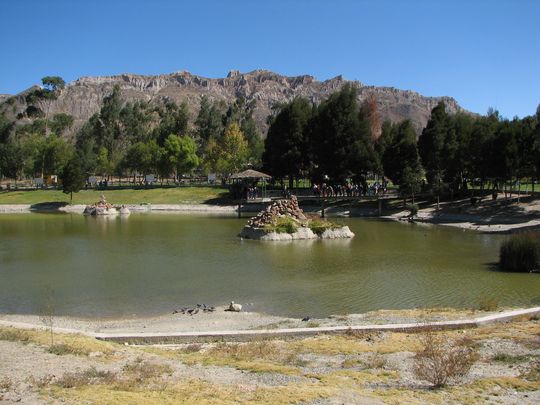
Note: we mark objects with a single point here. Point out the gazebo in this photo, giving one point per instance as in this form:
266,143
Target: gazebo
252,175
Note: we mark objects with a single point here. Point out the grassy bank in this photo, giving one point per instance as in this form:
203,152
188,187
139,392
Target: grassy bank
179,195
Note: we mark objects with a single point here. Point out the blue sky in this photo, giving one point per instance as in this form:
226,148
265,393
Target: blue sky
484,52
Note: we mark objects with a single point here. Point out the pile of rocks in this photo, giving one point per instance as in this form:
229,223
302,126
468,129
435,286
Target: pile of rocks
286,207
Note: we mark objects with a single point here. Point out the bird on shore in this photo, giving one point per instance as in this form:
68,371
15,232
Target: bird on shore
234,307
305,319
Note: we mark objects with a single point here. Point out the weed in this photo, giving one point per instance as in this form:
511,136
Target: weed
5,384
89,376
318,226
531,372
61,349
442,359
193,348
508,358
375,361
142,370
41,382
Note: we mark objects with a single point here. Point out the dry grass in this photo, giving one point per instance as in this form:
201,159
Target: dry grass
260,356
193,391
333,345
64,343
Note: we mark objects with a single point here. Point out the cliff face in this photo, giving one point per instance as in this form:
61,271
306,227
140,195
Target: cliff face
83,97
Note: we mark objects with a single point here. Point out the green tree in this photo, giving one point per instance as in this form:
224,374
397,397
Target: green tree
208,123
173,119
181,153
142,158
431,146
11,160
72,177
401,160
6,127
287,144
234,149
341,141
229,154
41,99
60,122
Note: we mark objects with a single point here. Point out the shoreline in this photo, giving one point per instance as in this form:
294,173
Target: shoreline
243,326
466,221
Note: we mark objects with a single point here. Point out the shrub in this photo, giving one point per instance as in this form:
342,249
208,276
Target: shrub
89,376
442,359
285,225
319,226
413,210
5,384
521,252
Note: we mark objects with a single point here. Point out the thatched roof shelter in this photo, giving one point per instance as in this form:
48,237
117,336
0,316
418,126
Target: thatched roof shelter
250,174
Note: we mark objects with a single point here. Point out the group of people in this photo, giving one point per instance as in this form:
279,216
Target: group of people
350,189
252,193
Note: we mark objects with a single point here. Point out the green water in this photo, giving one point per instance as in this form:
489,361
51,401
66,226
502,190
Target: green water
151,264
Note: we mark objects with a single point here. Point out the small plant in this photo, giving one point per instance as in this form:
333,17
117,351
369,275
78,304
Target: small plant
47,315
442,359
87,377
61,349
283,225
531,372
193,348
488,304
5,384
144,370
413,210
509,359
521,252
375,361
41,382
319,226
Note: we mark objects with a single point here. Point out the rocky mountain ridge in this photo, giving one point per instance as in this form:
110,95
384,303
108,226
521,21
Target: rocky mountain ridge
83,97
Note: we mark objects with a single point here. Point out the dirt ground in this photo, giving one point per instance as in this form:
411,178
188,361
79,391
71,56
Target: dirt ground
372,368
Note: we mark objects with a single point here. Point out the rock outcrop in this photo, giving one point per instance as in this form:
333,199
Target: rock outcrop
83,97
279,208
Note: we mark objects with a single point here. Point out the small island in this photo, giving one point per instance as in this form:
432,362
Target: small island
284,220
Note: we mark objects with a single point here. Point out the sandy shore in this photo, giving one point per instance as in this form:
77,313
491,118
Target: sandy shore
223,320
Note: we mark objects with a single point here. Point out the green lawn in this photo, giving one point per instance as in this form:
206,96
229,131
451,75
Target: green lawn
180,195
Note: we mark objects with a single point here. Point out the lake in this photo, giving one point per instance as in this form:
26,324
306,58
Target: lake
148,264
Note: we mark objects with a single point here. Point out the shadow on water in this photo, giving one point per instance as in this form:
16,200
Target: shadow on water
495,267
48,206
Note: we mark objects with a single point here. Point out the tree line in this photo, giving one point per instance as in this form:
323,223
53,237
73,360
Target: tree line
341,141
336,141
126,138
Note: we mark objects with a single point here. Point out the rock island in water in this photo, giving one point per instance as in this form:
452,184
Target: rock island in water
285,220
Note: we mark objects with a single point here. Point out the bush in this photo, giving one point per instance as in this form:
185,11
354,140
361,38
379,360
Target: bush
413,210
521,252
442,359
318,226
285,225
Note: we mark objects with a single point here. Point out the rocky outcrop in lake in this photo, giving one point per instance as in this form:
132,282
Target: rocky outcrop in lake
284,220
